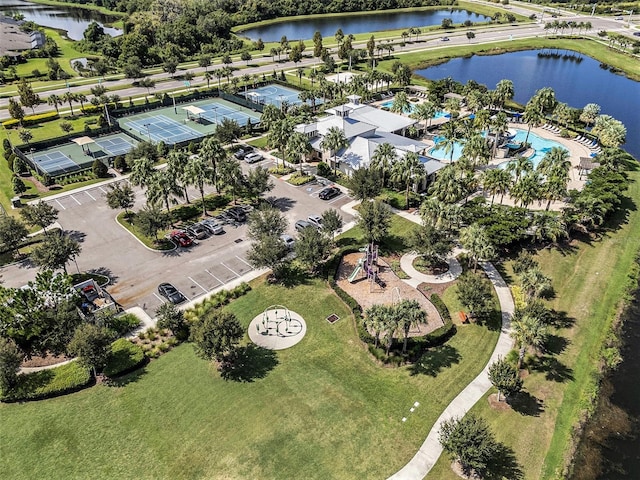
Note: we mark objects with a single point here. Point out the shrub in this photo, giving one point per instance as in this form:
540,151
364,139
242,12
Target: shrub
279,170
124,358
66,378
99,169
123,324
32,119
297,179
323,169
120,163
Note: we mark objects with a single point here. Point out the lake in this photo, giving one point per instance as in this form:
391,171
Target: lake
357,23
576,80
73,20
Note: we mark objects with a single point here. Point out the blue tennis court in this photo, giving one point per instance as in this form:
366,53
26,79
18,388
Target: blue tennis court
163,129
115,145
55,163
214,112
276,95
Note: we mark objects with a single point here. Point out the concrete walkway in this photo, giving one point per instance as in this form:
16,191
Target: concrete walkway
406,263
428,454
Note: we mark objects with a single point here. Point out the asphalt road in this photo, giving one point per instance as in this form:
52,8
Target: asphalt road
136,271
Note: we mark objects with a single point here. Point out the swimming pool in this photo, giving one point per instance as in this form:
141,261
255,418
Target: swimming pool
540,145
389,103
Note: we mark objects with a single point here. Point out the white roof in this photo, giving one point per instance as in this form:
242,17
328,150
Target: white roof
431,165
83,140
351,127
385,121
361,149
194,110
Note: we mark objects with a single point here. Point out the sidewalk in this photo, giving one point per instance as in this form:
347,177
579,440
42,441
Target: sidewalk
455,270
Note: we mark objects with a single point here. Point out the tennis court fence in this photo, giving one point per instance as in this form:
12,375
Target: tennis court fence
241,101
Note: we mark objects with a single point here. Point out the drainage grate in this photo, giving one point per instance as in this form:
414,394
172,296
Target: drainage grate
238,240
333,318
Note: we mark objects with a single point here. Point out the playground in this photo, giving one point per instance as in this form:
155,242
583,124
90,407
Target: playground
277,328
367,291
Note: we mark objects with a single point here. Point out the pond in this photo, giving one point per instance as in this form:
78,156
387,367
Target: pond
73,20
576,80
357,23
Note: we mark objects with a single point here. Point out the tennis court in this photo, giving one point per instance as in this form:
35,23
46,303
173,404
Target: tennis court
160,128
275,95
54,162
215,111
115,144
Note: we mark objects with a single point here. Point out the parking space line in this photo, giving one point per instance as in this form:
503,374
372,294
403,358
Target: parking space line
159,297
336,199
61,206
245,262
102,190
75,199
205,290
217,279
229,269
91,196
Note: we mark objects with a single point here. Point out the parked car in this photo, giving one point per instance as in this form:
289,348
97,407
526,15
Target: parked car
243,151
618,18
181,238
197,231
445,39
171,293
236,213
301,225
288,241
315,220
212,226
253,157
636,34
329,193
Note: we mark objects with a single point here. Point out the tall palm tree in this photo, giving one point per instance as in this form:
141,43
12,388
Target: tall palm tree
213,152
199,172
141,172
496,181
279,134
177,161
447,187
401,103
163,186
549,226
299,147
474,238
410,314
476,150
409,170
527,189
424,111
69,98
533,116
483,119
374,320
81,97
451,135
504,91
334,140
518,166
534,283
528,331
230,174
383,158
55,101
499,125
555,167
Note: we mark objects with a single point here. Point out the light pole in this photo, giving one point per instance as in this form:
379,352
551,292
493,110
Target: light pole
148,132
280,97
215,112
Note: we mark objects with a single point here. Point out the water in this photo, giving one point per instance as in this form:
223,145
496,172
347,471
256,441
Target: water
577,80
357,23
539,144
412,107
73,20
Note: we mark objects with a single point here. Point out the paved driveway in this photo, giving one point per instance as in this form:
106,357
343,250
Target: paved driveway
137,271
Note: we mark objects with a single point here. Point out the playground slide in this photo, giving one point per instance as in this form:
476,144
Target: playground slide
353,276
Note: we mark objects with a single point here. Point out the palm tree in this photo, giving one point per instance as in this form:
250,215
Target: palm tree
527,189
299,147
533,116
141,171
333,141
474,238
374,320
230,174
390,322
451,135
549,226
199,172
610,132
410,314
54,100
212,151
424,111
534,283
208,76
504,91
69,98
499,125
163,186
409,170
518,166
447,187
496,181
383,158
177,161
528,331
555,167
401,103
476,150
81,97
279,134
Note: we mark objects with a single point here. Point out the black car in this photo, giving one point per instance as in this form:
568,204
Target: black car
329,193
236,213
171,293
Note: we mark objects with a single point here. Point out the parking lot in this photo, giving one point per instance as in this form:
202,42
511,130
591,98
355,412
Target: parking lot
136,271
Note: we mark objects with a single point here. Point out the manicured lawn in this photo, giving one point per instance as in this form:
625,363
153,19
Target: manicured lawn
322,409
589,280
51,130
398,231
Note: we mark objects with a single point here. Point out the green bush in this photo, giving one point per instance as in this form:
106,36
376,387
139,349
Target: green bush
99,169
57,381
32,119
123,324
297,179
125,357
280,170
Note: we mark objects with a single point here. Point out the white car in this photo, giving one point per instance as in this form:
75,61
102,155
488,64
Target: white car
288,240
315,220
253,158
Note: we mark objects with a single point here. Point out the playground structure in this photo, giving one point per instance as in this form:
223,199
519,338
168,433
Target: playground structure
369,265
277,328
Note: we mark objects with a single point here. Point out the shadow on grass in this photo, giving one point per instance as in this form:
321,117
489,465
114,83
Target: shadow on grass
552,368
503,465
291,275
555,344
435,360
246,364
562,320
526,404
124,380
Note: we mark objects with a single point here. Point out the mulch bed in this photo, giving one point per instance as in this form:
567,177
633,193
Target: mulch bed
44,361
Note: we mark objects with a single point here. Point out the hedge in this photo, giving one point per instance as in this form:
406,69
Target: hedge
297,179
124,358
32,119
66,378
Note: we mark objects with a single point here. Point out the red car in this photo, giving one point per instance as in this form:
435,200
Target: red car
181,238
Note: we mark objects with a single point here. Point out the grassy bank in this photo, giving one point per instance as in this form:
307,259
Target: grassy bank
590,279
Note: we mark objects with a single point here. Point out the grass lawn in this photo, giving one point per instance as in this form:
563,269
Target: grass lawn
322,409
50,130
394,242
67,53
589,280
